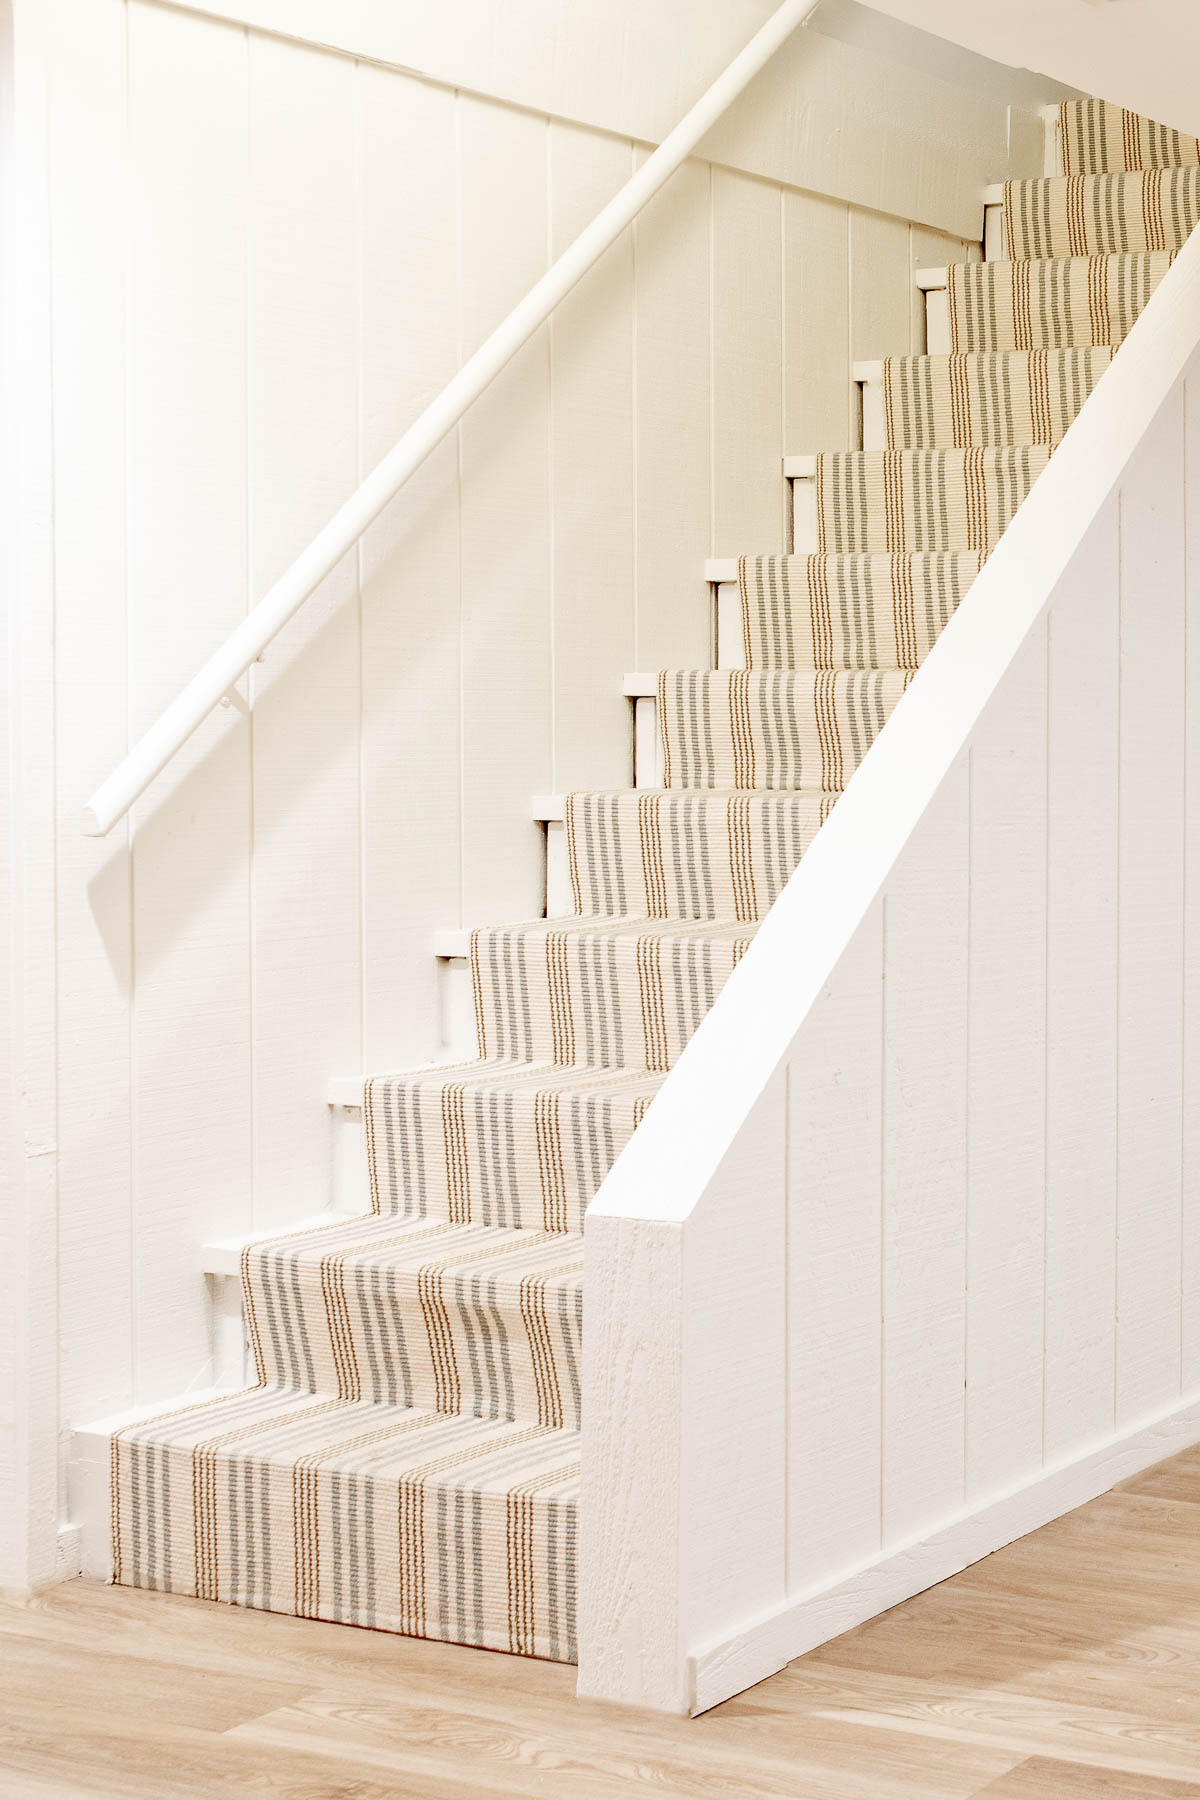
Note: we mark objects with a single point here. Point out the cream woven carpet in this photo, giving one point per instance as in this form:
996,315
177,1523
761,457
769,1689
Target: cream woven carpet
409,1459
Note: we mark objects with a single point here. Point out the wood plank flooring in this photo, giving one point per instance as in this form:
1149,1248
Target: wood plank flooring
1065,1666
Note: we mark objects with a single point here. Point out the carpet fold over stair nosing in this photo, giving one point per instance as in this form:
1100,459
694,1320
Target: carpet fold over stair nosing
410,1458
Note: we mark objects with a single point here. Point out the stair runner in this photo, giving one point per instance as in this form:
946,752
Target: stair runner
410,1457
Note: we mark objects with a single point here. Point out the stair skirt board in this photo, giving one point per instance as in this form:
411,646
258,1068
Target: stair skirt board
410,1457
769,1642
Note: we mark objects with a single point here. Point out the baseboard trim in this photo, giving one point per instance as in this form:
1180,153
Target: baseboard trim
768,1643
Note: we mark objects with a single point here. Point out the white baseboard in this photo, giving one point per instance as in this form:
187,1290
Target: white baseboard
768,1643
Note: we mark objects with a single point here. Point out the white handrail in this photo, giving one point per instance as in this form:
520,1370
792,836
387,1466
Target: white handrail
213,682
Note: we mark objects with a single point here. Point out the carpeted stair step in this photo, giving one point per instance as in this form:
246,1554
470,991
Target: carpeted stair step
671,853
417,1312
434,1524
871,501
1072,301
625,992
849,612
514,1144
1098,138
1099,215
797,728
1010,397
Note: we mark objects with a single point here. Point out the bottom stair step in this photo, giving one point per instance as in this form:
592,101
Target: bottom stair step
433,1525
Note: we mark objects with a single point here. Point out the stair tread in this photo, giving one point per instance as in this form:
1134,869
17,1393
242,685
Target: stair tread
1065,301
1082,215
433,1524
1099,137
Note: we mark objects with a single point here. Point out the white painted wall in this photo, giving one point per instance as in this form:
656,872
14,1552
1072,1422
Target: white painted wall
903,1261
251,261
1142,54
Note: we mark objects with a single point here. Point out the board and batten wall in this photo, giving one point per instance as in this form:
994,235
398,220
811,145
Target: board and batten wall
925,1270
262,258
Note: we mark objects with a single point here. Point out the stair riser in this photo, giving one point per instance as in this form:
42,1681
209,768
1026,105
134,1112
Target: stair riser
607,1001
779,730
687,856
933,500
944,403
1075,302
531,1159
488,1342
849,613
410,1531
1098,138
1101,215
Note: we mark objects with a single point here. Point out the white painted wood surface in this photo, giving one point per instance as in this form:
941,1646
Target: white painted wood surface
980,987
632,69
245,314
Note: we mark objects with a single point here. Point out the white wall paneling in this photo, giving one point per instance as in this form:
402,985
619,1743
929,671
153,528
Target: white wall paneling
979,987
937,134
190,1020
246,313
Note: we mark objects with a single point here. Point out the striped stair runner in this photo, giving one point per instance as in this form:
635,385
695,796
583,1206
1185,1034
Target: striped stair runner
409,1458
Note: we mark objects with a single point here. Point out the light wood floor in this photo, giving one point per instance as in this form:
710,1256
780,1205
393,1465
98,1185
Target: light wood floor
1065,1666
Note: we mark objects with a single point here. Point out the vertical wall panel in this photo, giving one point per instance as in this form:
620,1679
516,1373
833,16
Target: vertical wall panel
190,1041
1006,1067
87,187
924,1167
880,292
506,625
1151,918
303,331
748,484
1081,997
410,575
672,375
592,473
835,1299
816,324
1190,1287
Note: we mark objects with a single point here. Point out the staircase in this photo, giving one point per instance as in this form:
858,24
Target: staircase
409,1458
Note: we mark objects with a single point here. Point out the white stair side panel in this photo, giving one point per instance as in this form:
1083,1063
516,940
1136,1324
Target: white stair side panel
409,564
592,471
673,374
929,249
1006,1077
835,1299
459,1037
748,494
933,284
91,655
994,249
304,461
869,379
1052,126
1081,998
1191,969
647,743
191,1011
733,1516
880,311
805,535
816,316
506,503
1150,972
924,1168
559,896
731,636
